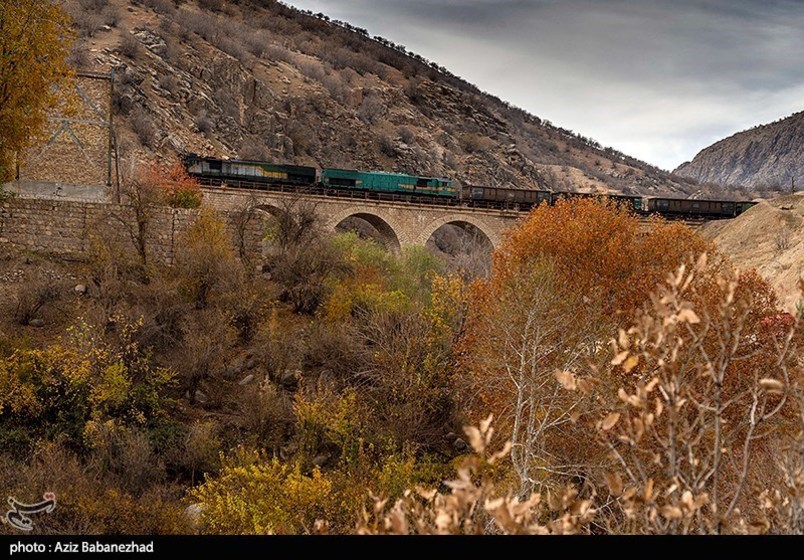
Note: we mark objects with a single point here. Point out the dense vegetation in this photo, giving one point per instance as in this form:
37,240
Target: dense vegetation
641,386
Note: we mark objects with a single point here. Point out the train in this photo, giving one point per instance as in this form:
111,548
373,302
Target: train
413,188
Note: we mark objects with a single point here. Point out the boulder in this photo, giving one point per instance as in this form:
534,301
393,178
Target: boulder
250,362
193,515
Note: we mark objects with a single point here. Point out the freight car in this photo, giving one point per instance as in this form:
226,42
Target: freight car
383,182
635,203
744,205
475,195
213,169
686,207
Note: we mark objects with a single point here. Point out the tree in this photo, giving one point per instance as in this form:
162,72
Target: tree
515,346
405,379
301,257
35,40
207,262
562,280
148,188
179,188
142,196
205,338
240,222
599,250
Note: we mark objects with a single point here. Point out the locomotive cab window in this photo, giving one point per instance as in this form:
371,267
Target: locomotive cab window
216,165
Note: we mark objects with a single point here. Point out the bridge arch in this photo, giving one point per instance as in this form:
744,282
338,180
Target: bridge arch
464,244
470,224
386,234
271,209
256,226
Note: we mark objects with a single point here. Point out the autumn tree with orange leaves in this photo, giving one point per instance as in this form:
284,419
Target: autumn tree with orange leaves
562,282
169,185
599,251
150,187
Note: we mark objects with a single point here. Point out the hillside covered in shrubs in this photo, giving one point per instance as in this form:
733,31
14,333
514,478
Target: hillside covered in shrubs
261,80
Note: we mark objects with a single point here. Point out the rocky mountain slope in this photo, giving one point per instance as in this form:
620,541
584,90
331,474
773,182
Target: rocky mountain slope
258,79
763,158
770,238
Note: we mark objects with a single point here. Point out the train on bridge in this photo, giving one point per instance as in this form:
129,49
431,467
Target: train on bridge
381,185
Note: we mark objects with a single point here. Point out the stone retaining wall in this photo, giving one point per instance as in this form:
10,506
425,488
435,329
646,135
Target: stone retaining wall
69,227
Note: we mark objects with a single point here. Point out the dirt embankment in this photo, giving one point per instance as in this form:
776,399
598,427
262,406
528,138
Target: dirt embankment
770,238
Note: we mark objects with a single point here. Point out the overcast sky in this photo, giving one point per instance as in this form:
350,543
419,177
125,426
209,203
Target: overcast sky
657,79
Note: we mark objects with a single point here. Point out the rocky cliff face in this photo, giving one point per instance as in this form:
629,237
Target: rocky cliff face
765,157
260,80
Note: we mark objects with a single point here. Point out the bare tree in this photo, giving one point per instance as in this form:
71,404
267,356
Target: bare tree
241,222
300,257
529,334
205,337
142,196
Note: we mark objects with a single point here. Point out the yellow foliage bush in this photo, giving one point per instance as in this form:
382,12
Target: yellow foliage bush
257,495
56,391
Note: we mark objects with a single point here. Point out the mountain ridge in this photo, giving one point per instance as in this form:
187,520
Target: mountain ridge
763,158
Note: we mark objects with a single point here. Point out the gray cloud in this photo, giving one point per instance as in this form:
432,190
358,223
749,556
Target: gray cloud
657,79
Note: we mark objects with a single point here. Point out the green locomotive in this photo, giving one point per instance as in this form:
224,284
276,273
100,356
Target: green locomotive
383,182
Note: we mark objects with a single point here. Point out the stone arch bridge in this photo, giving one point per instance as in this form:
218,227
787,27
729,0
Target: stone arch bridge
399,224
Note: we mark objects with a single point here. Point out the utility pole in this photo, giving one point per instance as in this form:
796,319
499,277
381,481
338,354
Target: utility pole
111,130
